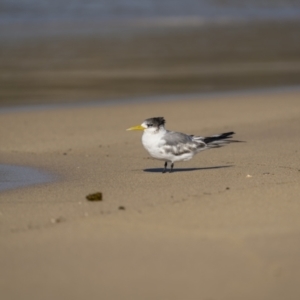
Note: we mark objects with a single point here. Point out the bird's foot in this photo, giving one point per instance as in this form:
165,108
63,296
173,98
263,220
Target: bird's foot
171,169
165,167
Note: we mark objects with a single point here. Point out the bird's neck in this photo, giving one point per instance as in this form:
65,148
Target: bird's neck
159,131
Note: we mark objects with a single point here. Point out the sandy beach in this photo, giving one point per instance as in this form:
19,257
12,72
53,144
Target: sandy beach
224,225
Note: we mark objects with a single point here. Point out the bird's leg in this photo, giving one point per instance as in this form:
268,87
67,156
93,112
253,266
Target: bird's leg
165,169
171,169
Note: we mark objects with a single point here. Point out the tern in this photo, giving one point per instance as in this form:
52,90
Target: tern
172,146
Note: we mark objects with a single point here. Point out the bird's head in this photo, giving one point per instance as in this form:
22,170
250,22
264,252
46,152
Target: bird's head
150,125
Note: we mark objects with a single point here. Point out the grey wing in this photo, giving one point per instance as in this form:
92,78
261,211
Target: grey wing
173,138
179,143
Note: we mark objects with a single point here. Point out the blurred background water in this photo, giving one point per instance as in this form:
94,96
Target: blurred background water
55,10
64,50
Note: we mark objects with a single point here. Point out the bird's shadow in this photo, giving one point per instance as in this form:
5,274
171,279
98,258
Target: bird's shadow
160,170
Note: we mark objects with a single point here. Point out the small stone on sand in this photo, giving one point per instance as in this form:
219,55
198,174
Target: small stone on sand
94,197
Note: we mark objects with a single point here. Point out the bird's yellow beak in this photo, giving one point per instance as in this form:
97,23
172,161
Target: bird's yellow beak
138,127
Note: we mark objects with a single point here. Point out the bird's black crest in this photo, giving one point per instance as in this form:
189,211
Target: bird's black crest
156,122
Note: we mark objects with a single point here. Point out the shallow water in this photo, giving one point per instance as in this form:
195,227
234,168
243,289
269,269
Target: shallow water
54,10
12,177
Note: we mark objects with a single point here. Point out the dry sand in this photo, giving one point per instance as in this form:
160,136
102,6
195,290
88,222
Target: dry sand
224,225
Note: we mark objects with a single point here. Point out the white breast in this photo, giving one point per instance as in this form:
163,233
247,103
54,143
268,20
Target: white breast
153,142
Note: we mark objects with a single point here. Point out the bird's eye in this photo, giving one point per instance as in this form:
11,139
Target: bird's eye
150,125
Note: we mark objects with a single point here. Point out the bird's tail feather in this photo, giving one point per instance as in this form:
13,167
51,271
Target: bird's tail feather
217,140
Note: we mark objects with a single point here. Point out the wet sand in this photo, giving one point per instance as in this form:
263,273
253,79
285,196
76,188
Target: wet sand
80,62
224,225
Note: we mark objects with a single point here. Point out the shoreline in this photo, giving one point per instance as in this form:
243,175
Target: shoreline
139,62
147,99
